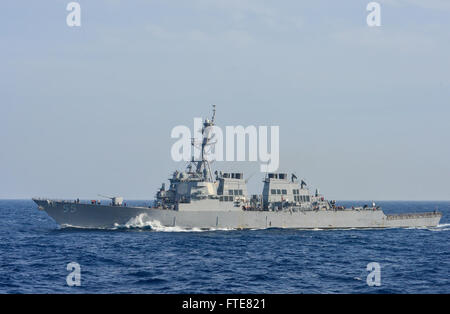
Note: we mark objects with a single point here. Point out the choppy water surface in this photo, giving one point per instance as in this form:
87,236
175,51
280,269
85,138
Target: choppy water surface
148,258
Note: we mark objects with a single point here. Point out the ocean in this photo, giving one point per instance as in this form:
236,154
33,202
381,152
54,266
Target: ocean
148,258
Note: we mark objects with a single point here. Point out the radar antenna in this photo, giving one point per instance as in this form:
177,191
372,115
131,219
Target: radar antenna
214,114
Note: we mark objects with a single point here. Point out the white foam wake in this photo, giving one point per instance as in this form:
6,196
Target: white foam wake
142,221
441,227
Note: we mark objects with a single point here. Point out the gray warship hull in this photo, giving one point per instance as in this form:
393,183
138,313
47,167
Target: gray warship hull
83,215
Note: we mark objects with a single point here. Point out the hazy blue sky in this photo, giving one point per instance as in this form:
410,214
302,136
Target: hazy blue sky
363,112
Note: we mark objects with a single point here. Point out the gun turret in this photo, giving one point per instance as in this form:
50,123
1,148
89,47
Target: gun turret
116,200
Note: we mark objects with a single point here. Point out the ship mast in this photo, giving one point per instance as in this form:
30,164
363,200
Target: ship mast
202,166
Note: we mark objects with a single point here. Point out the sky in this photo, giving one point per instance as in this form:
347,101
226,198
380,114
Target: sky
363,111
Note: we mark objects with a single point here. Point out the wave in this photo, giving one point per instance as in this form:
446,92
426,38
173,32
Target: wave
144,222
69,226
441,227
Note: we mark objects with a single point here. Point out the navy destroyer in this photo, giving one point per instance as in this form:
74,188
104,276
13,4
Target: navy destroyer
198,198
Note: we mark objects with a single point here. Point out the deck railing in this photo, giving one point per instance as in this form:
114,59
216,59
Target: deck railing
413,215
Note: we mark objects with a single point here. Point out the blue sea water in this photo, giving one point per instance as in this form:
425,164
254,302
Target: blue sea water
35,252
